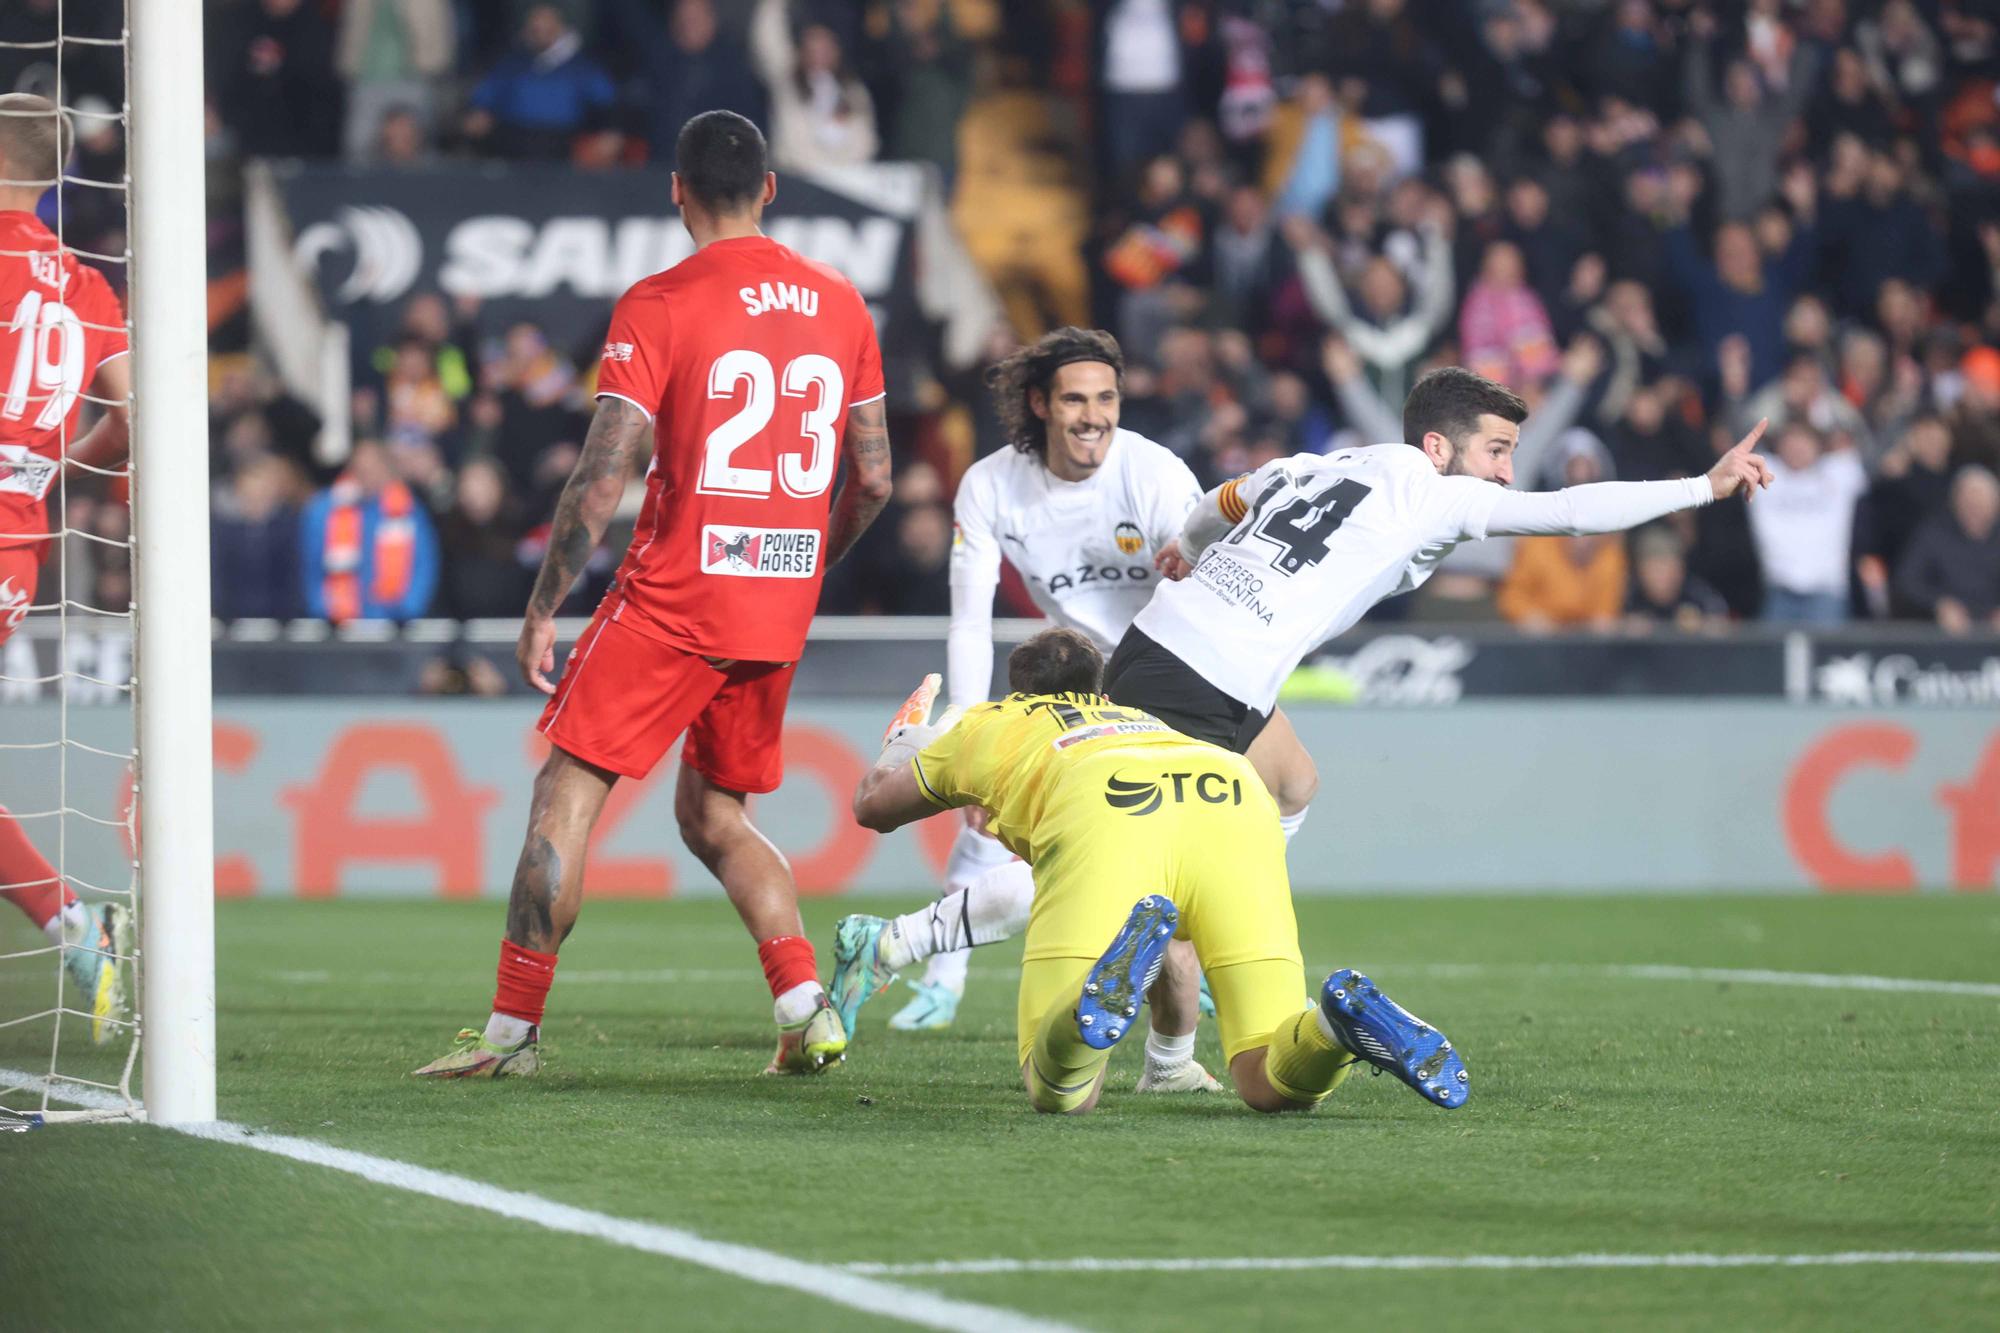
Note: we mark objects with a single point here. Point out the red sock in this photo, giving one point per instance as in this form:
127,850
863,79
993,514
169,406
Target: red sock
524,982
788,961
39,890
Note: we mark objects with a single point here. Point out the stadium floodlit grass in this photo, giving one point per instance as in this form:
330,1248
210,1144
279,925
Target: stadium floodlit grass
1612,1113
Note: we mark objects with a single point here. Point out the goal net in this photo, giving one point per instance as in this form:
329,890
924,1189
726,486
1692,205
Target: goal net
105,844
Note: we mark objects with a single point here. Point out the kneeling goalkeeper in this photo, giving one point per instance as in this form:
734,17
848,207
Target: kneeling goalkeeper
1137,833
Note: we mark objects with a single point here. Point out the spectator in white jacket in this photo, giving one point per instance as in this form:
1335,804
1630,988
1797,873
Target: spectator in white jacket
1804,527
821,114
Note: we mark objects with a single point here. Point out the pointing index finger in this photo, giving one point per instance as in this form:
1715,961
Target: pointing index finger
1749,441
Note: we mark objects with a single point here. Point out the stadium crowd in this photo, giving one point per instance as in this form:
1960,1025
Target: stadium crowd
1659,221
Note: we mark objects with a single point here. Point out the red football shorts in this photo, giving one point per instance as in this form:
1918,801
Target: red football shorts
20,570
625,698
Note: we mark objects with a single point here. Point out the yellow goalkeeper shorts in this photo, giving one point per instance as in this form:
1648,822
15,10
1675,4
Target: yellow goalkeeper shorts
1192,822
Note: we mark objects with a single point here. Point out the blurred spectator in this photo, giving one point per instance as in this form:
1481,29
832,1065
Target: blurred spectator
368,550
254,543
1850,105
1804,524
1975,418
1630,57
1801,394
1625,323
1503,328
541,95
1650,443
1153,256
1250,262
1568,582
689,64
1876,233
445,336
1395,325
1747,124
930,66
922,582
480,538
1550,246
1951,570
1739,293
416,406
402,139
1905,60
821,114
93,218
1382,46
391,53
1913,482
1306,158
1663,594
272,66
1144,102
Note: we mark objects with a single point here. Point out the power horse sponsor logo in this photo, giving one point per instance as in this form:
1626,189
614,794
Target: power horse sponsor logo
760,553
1144,796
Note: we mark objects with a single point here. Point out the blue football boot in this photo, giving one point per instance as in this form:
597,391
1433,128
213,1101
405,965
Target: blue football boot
1117,984
1390,1037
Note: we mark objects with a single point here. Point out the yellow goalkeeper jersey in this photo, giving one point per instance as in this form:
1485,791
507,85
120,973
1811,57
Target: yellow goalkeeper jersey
1013,755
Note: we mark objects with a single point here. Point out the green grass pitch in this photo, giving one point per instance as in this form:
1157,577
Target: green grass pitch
1611,1113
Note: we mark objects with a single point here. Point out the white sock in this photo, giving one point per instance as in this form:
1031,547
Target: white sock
796,1005
1291,823
972,855
1165,1053
948,970
506,1030
73,918
1326,1029
992,908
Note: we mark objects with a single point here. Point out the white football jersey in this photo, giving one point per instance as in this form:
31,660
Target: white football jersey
1084,548
1322,539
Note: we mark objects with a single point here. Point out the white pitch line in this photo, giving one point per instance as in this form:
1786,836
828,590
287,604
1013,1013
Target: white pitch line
668,976
827,1282
1727,975
1405,1262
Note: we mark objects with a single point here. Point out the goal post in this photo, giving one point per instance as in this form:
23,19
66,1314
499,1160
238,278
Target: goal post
170,503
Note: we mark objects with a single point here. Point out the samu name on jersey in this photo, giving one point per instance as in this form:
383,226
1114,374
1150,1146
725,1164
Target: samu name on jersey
1084,548
1321,541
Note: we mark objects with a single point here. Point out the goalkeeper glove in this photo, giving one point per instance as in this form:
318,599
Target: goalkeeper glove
911,729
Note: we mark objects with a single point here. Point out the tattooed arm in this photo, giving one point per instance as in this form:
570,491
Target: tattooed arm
867,486
619,435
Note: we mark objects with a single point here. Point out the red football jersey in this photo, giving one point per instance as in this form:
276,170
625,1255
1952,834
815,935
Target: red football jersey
59,321
747,357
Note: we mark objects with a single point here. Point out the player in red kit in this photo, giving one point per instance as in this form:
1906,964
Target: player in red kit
61,330
751,372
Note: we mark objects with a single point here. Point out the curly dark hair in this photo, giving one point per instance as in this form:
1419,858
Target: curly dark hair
1034,367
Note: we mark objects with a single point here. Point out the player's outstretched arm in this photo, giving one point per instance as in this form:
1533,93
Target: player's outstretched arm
868,484
1614,506
619,435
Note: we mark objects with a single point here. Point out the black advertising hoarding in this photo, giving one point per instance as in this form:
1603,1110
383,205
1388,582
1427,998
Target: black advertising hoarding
556,247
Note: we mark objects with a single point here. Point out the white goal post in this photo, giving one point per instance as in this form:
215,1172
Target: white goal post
169,303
